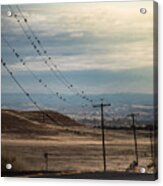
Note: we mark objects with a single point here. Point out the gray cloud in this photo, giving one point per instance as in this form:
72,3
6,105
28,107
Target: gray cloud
83,39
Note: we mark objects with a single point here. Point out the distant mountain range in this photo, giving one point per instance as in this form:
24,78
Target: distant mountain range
14,99
121,104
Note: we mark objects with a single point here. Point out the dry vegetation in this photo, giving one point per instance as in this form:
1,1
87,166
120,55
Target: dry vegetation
71,146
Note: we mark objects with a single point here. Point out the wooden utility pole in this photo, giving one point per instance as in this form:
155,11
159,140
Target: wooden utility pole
43,117
132,115
46,156
151,141
152,164
46,161
102,105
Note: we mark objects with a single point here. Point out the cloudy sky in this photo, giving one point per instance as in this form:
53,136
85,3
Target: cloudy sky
99,47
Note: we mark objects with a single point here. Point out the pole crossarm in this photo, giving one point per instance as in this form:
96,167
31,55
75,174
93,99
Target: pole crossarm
104,105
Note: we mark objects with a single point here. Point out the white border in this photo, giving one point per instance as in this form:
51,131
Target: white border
60,182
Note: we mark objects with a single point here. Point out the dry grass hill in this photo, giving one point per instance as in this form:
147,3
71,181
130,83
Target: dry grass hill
71,147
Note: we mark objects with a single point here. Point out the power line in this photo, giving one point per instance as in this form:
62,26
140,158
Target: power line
26,93
57,72
39,80
38,41
34,45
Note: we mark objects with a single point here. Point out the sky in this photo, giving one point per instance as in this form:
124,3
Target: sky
99,47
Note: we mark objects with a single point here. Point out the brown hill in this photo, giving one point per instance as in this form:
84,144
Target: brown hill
50,117
31,122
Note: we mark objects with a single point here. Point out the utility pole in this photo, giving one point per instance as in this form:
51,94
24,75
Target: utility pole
132,115
46,161
43,117
46,156
151,141
102,105
152,164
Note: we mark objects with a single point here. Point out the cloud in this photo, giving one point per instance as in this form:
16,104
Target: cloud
84,37
91,81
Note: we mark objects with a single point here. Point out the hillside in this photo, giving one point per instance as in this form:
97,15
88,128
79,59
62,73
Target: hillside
42,117
71,147
30,124
13,122
48,116
27,123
